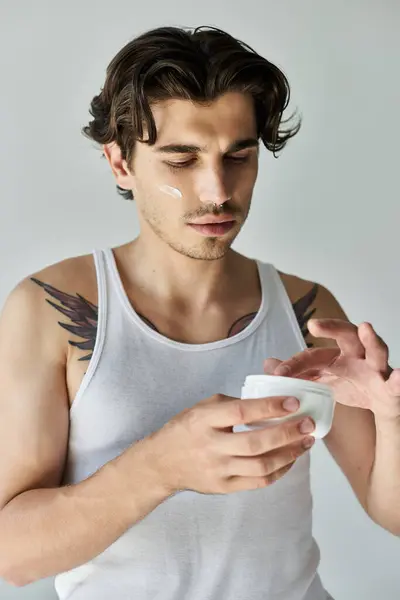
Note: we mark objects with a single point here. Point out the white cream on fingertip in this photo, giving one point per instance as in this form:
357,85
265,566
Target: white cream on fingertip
171,191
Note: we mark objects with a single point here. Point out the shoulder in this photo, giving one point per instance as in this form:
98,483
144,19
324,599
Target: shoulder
30,304
311,300
318,295
76,275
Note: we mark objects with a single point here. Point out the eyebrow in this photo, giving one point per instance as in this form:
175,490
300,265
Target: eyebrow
236,146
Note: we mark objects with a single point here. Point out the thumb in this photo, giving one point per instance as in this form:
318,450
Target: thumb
270,364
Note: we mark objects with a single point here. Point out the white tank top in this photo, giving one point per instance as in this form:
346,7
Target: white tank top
251,545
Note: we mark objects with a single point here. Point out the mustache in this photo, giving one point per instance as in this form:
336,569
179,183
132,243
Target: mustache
228,208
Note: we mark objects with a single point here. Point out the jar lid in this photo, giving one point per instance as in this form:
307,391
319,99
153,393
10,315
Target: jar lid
292,381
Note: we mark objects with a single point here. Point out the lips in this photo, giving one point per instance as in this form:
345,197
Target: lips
213,229
213,220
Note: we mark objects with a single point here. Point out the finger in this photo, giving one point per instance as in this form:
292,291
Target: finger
269,463
393,383
229,412
343,332
237,484
260,441
307,360
376,350
270,364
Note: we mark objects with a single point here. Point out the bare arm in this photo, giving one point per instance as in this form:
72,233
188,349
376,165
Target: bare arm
45,529
384,484
351,441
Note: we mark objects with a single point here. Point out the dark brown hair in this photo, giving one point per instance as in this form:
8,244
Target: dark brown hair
198,65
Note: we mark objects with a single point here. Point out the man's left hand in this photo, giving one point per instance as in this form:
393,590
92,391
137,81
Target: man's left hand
357,369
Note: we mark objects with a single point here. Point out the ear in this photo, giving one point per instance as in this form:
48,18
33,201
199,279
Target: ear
119,167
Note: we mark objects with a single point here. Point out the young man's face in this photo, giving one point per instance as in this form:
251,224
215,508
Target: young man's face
205,156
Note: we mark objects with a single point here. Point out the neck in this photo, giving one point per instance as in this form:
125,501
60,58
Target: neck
171,277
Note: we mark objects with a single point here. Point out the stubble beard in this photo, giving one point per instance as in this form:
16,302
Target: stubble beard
208,248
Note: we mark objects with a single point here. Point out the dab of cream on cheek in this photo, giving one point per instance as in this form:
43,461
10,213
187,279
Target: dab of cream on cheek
171,191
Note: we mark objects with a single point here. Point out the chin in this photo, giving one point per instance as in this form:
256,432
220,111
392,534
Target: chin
208,255
211,249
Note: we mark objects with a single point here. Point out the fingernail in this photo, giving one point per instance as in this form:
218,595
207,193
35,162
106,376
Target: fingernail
282,371
308,442
291,404
307,426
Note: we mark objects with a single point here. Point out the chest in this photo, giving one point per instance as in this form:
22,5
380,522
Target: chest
136,385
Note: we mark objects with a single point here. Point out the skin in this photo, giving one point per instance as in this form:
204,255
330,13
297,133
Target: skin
213,175
49,325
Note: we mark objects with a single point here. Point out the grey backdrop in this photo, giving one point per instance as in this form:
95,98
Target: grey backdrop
328,209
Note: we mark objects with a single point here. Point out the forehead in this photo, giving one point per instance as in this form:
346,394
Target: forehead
227,118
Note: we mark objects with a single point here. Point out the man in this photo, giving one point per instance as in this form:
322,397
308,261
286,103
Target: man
120,471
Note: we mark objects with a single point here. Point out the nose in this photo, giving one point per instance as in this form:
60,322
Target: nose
211,187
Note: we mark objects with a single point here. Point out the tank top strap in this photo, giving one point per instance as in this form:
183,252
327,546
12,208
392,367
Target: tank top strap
101,325
101,276
277,293
269,283
109,268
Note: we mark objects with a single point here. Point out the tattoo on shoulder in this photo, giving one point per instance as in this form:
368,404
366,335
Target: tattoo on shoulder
82,314
302,310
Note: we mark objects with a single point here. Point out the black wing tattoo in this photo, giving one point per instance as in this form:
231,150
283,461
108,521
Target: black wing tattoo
241,324
301,308
82,313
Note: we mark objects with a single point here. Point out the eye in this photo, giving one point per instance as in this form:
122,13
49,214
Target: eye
238,159
188,163
180,165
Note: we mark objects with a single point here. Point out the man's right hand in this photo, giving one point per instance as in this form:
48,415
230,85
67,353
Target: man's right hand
198,450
